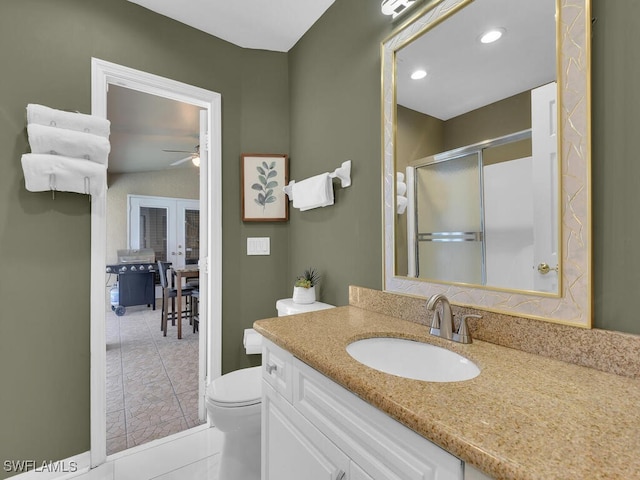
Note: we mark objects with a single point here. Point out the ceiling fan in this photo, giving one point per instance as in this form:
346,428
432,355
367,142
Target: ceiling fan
194,156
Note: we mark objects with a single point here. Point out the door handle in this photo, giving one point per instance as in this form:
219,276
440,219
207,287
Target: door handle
544,268
341,475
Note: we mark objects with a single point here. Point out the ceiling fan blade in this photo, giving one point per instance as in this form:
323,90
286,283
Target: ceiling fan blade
177,151
182,160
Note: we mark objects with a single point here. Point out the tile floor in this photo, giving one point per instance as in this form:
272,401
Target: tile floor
194,455
152,381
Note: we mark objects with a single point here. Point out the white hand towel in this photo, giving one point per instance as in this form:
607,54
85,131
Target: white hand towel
63,174
72,121
252,341
313,192
68,143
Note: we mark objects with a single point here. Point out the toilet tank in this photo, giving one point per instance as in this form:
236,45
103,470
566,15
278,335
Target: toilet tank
286,306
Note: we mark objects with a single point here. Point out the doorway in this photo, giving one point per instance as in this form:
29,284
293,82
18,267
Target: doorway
104,76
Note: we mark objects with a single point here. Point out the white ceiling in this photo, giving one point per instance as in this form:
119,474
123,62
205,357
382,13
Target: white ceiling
143,125
261,24
463,74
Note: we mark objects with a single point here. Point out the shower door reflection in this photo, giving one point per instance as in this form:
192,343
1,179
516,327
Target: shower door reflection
449,222
484,215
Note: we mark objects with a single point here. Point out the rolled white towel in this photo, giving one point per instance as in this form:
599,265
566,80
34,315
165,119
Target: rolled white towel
313,192
79,122
68,143
399,177
401,188
63,174
401,204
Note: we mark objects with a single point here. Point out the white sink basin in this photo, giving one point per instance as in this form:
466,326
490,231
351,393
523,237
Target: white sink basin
410,359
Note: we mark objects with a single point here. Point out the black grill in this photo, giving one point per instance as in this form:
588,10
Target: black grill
136,285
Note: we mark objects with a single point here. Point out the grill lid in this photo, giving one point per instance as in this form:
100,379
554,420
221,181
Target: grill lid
143,255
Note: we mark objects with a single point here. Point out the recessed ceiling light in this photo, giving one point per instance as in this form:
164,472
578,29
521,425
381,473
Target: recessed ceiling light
418,74
493,35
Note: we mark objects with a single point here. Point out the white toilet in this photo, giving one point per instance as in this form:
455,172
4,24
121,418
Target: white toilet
234,405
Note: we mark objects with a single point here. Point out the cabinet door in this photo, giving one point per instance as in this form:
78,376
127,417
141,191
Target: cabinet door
356,473
379,445
293,449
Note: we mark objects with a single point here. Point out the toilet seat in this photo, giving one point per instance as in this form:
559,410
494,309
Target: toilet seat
240,388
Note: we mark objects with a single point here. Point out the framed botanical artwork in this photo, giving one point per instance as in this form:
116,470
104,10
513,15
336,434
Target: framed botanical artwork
262,178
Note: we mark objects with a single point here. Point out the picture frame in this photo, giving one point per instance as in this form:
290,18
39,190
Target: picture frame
262,177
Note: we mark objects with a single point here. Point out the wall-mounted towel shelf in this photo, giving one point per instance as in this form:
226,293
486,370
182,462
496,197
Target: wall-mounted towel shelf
69,152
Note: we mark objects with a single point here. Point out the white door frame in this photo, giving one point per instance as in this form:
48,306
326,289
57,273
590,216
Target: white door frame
102,74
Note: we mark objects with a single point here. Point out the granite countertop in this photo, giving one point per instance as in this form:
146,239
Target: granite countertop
524,417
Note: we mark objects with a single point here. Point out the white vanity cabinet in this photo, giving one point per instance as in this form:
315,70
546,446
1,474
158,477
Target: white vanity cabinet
294,449
312,428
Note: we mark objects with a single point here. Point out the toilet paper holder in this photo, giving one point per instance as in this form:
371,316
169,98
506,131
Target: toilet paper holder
252,342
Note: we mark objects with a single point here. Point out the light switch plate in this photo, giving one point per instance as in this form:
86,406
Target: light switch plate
258,246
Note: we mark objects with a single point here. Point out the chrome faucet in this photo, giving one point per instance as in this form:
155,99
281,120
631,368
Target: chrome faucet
442,325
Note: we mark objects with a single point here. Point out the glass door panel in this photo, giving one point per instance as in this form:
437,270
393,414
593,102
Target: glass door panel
171,226
153,231
449,220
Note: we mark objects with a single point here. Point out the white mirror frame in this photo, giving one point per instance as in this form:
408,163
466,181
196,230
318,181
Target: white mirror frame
574,304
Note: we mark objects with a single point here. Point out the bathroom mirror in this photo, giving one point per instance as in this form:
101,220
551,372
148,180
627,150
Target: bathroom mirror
476,135
563,295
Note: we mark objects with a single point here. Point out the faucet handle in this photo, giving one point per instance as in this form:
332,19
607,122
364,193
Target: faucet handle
463,330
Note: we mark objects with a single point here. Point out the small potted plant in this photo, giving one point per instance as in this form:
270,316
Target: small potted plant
304,290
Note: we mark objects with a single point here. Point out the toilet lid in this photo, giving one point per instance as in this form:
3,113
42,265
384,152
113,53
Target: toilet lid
237,389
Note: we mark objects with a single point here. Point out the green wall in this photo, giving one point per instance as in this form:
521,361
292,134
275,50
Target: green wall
321,104
45,57
616,169
335,116
503,117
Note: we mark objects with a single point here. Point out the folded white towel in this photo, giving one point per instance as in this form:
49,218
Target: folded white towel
79,122
68,143
63,174
252,341
313,192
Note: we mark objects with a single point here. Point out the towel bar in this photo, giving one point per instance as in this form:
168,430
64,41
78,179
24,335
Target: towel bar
343,172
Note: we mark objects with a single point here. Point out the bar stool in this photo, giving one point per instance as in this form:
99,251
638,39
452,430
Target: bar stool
195,305
170,292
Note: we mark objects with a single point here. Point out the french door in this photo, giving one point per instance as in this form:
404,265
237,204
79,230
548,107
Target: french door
169,226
